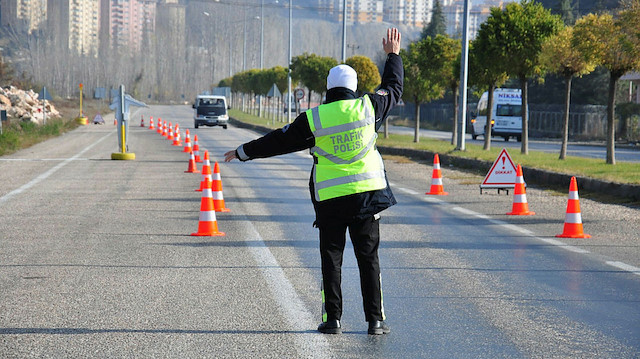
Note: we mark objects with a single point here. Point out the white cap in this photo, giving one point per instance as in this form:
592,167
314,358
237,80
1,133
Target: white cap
342,76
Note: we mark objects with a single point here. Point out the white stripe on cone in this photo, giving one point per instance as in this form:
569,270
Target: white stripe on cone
520,198
207,216
573,218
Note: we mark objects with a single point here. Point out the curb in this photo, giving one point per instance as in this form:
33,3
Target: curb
533,175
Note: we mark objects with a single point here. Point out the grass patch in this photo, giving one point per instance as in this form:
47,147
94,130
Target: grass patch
255,120
18,135
622,172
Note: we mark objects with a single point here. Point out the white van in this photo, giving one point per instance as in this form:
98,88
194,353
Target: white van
506,115
210,110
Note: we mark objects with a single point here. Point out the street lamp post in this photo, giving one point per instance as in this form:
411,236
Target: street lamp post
462,113
289,72
344,30
261,34
261,51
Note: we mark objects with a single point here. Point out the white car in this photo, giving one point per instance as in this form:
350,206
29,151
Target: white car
506,115
210,110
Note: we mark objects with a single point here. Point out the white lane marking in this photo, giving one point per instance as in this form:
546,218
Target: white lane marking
465,211
560,244
39,159
557,243
51,171
624,266
563,245
309,345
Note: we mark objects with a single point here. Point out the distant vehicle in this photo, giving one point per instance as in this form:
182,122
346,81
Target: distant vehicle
506,115
210,110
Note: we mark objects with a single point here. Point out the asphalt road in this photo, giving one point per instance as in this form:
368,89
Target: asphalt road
96,261
578,149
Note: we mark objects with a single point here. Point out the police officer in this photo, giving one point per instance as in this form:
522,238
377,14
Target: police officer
348,182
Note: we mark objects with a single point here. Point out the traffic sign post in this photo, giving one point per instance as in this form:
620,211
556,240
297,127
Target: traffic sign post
81,119
121,106
44,96
502,174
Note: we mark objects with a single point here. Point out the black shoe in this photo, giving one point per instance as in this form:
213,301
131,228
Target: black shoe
330,327
377,327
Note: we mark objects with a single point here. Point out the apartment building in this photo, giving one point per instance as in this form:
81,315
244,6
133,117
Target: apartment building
130,21
358,11
454,15
76,24
23,14
415,13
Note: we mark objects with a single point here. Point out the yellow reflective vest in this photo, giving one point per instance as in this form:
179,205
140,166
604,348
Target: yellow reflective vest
347,159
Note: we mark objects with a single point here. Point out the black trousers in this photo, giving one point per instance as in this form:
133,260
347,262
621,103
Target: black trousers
365,236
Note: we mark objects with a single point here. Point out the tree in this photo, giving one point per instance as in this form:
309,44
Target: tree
486,69
437,25
520,30
279,77
312,71
6,73
368,73
226,82
560,56
425,63
443,62
615,44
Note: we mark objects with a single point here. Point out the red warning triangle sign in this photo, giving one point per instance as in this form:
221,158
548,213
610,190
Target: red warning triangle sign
502,174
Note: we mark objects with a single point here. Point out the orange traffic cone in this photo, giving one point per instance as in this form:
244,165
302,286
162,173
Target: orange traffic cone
207,225
206,172
176,140
170,135
216,188
520,206
436,178
165,130
187,143
196,149
573,218
151,123
141,121
115,122
159,125
193,168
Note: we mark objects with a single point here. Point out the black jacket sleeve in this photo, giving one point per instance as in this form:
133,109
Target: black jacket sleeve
290,138
297,136
390,90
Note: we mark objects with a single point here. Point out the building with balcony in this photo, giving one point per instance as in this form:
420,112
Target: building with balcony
27,15
358,11
414,13
76,23
130,23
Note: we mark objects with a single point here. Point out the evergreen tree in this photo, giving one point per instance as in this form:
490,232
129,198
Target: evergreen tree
566,12
438,25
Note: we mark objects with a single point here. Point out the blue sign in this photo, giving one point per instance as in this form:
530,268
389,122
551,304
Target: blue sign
44,94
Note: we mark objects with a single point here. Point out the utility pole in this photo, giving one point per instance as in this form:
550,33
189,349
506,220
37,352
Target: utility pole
464,65
289,72
344,30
